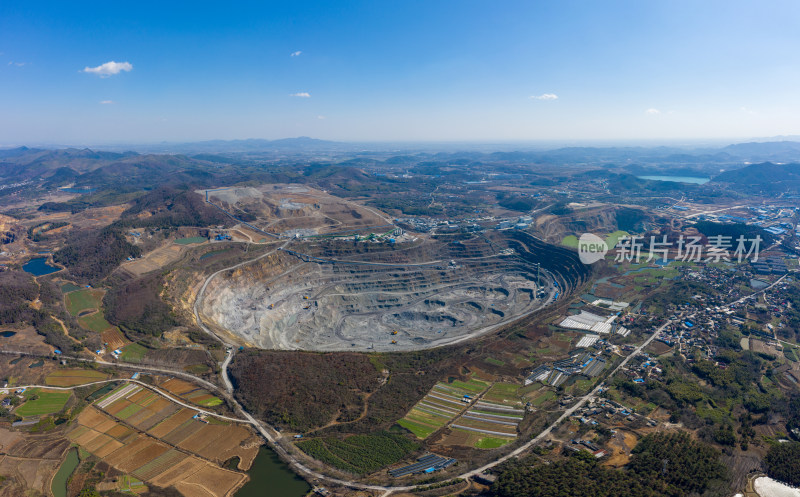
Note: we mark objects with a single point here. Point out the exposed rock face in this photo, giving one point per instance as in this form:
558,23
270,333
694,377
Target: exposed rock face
282,302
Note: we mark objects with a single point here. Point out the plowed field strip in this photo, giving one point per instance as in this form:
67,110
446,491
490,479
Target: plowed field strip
497,421
172,422
159,465
498,433
434,413
437,408
450,401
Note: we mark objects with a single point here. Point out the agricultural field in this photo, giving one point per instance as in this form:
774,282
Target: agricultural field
492,421
148,459
440,406
359,454
29,462
129,484
541,396
72,377
87,306
83,300
190,240
42,402
504,393
133,352
69,287
114,338
151,413
190,392
94,322
156,442
155,259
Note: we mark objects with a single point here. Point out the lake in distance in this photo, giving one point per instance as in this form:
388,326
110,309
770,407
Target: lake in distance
678,179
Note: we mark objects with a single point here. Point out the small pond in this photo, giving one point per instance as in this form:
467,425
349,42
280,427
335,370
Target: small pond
59,485
39,267
271,477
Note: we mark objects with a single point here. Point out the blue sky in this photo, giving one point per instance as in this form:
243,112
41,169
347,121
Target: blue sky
398,70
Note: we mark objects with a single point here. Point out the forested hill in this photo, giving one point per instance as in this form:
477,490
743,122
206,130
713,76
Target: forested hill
766,177
662,465
168,206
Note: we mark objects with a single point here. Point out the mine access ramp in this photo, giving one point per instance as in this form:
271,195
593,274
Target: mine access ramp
425,464
304,257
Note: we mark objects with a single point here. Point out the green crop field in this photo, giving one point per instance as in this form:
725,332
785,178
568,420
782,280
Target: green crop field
69,287
190,240
420,430
129,411
504,393
504,389
512,415
82,300
210,402
46,403
474,386
496,362
543,397
133,352
360,454
95,322
491,443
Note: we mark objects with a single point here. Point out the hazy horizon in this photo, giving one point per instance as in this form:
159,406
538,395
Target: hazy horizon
419,145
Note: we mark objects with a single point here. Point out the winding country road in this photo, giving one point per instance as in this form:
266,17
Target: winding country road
143,384
273,437
229,347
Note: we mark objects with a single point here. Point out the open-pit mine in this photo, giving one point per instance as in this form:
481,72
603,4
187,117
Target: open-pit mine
329,295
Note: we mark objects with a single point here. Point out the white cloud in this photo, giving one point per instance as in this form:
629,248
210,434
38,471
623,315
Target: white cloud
320,117
106,102
544,96
296,54
18,64
652,112
301,94
109,68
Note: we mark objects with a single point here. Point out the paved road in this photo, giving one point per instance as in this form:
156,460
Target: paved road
569,412
714,211
124,365
230,346
145,385
273,436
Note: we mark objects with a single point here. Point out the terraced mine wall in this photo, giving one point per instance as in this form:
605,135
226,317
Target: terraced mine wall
563,262
334,296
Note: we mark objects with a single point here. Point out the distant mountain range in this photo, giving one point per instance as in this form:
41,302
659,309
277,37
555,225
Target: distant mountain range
286,145
636,156
781,151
